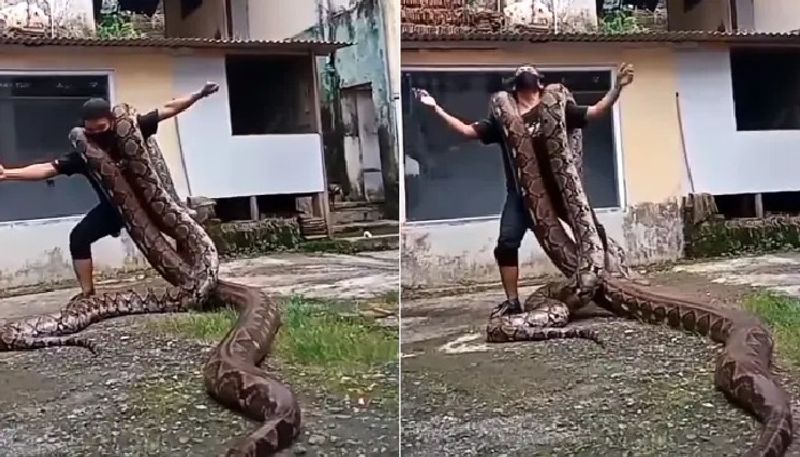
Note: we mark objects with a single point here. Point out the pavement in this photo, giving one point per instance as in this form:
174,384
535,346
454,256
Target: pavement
650,390
142,394
323,276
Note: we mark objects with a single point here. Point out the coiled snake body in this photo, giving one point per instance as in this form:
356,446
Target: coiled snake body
551,183
135,179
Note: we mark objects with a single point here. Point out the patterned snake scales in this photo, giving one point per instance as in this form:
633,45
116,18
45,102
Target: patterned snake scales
551,183
137,181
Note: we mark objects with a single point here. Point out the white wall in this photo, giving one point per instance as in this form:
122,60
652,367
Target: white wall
280,19
776,15
220,165
722,159
462,251
37,252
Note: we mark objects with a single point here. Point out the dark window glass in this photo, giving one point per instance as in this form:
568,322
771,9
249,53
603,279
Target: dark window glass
765,89
448,177
36,115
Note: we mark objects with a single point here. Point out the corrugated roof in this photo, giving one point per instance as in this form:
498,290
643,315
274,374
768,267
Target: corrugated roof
417,33
320,47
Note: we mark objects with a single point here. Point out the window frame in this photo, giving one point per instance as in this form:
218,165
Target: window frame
616,132
112,92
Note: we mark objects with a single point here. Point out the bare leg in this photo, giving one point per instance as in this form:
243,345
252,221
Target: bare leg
509,276
83,270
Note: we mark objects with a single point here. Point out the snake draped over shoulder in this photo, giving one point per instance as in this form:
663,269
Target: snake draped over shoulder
550,178
135,179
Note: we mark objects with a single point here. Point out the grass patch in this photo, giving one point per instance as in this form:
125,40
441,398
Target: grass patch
313,336
205,327
783,314
346,353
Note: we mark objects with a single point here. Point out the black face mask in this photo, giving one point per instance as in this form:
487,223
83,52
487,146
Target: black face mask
104,140
526,81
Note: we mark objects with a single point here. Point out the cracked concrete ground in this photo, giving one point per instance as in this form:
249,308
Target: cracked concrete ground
649,393
143,394
323,276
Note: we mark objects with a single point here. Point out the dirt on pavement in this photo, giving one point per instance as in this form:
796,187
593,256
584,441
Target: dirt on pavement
142,395
650,392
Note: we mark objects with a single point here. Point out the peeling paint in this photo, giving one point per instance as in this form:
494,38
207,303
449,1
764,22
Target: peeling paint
653,232
364,63
461,252
37,253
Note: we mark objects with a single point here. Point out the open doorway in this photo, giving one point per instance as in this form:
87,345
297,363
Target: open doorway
361,146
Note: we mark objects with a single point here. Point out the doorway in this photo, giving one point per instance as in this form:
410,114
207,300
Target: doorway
361,146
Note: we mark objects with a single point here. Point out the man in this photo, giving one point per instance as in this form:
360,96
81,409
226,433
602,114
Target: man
104,219
515,219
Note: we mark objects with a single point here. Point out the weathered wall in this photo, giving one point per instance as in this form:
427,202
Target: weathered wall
649,225
365,62
37,251
64,18
458,252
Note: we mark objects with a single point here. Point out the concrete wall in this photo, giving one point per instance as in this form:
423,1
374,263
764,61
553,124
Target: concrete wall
219,164
724,160
61,17
266,23
649,225
207,21
759,15
365,62
37,251
776,15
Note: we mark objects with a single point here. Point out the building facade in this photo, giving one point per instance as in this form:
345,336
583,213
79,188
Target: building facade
358,85
227,147
685,125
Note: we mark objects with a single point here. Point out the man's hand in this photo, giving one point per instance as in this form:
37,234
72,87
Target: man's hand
624,74
424,97
209,88
2,173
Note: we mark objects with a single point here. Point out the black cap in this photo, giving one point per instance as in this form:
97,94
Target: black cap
95,108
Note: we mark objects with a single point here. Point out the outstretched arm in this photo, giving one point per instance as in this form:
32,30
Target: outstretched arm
455,124
624,77
35,172
178,105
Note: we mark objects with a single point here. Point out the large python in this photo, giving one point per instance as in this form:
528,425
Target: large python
551,182
135,179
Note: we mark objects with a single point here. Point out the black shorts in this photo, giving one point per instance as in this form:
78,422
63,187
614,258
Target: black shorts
103,220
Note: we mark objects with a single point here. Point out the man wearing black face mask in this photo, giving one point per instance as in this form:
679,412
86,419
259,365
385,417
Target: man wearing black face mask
515,219
104,219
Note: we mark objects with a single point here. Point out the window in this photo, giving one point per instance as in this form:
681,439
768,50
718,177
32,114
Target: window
270,95
36,115
448,177
766,95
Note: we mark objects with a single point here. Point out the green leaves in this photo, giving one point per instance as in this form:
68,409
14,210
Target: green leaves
116,25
